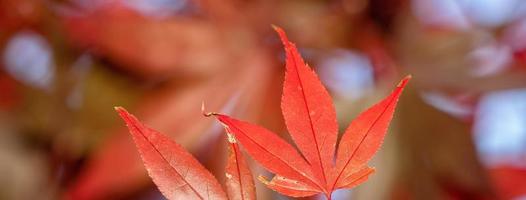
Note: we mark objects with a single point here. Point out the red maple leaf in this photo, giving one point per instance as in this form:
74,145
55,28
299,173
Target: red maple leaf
311,120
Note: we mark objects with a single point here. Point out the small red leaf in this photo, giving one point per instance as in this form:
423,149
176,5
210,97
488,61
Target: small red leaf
177,174
289,187
364,136
239,182
269,150
309,113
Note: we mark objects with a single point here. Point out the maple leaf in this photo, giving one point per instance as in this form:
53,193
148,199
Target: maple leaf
239,182
311,120
178,175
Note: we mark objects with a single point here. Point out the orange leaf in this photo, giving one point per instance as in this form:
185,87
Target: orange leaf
364,136
308,111
239,182
175,171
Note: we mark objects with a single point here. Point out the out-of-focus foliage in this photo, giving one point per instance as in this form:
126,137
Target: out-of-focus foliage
66,63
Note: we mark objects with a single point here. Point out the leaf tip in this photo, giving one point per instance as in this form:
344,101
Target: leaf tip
275,27
122,112
207,114
118,108
404,81
282,34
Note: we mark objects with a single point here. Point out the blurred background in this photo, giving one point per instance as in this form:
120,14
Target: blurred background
459,131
